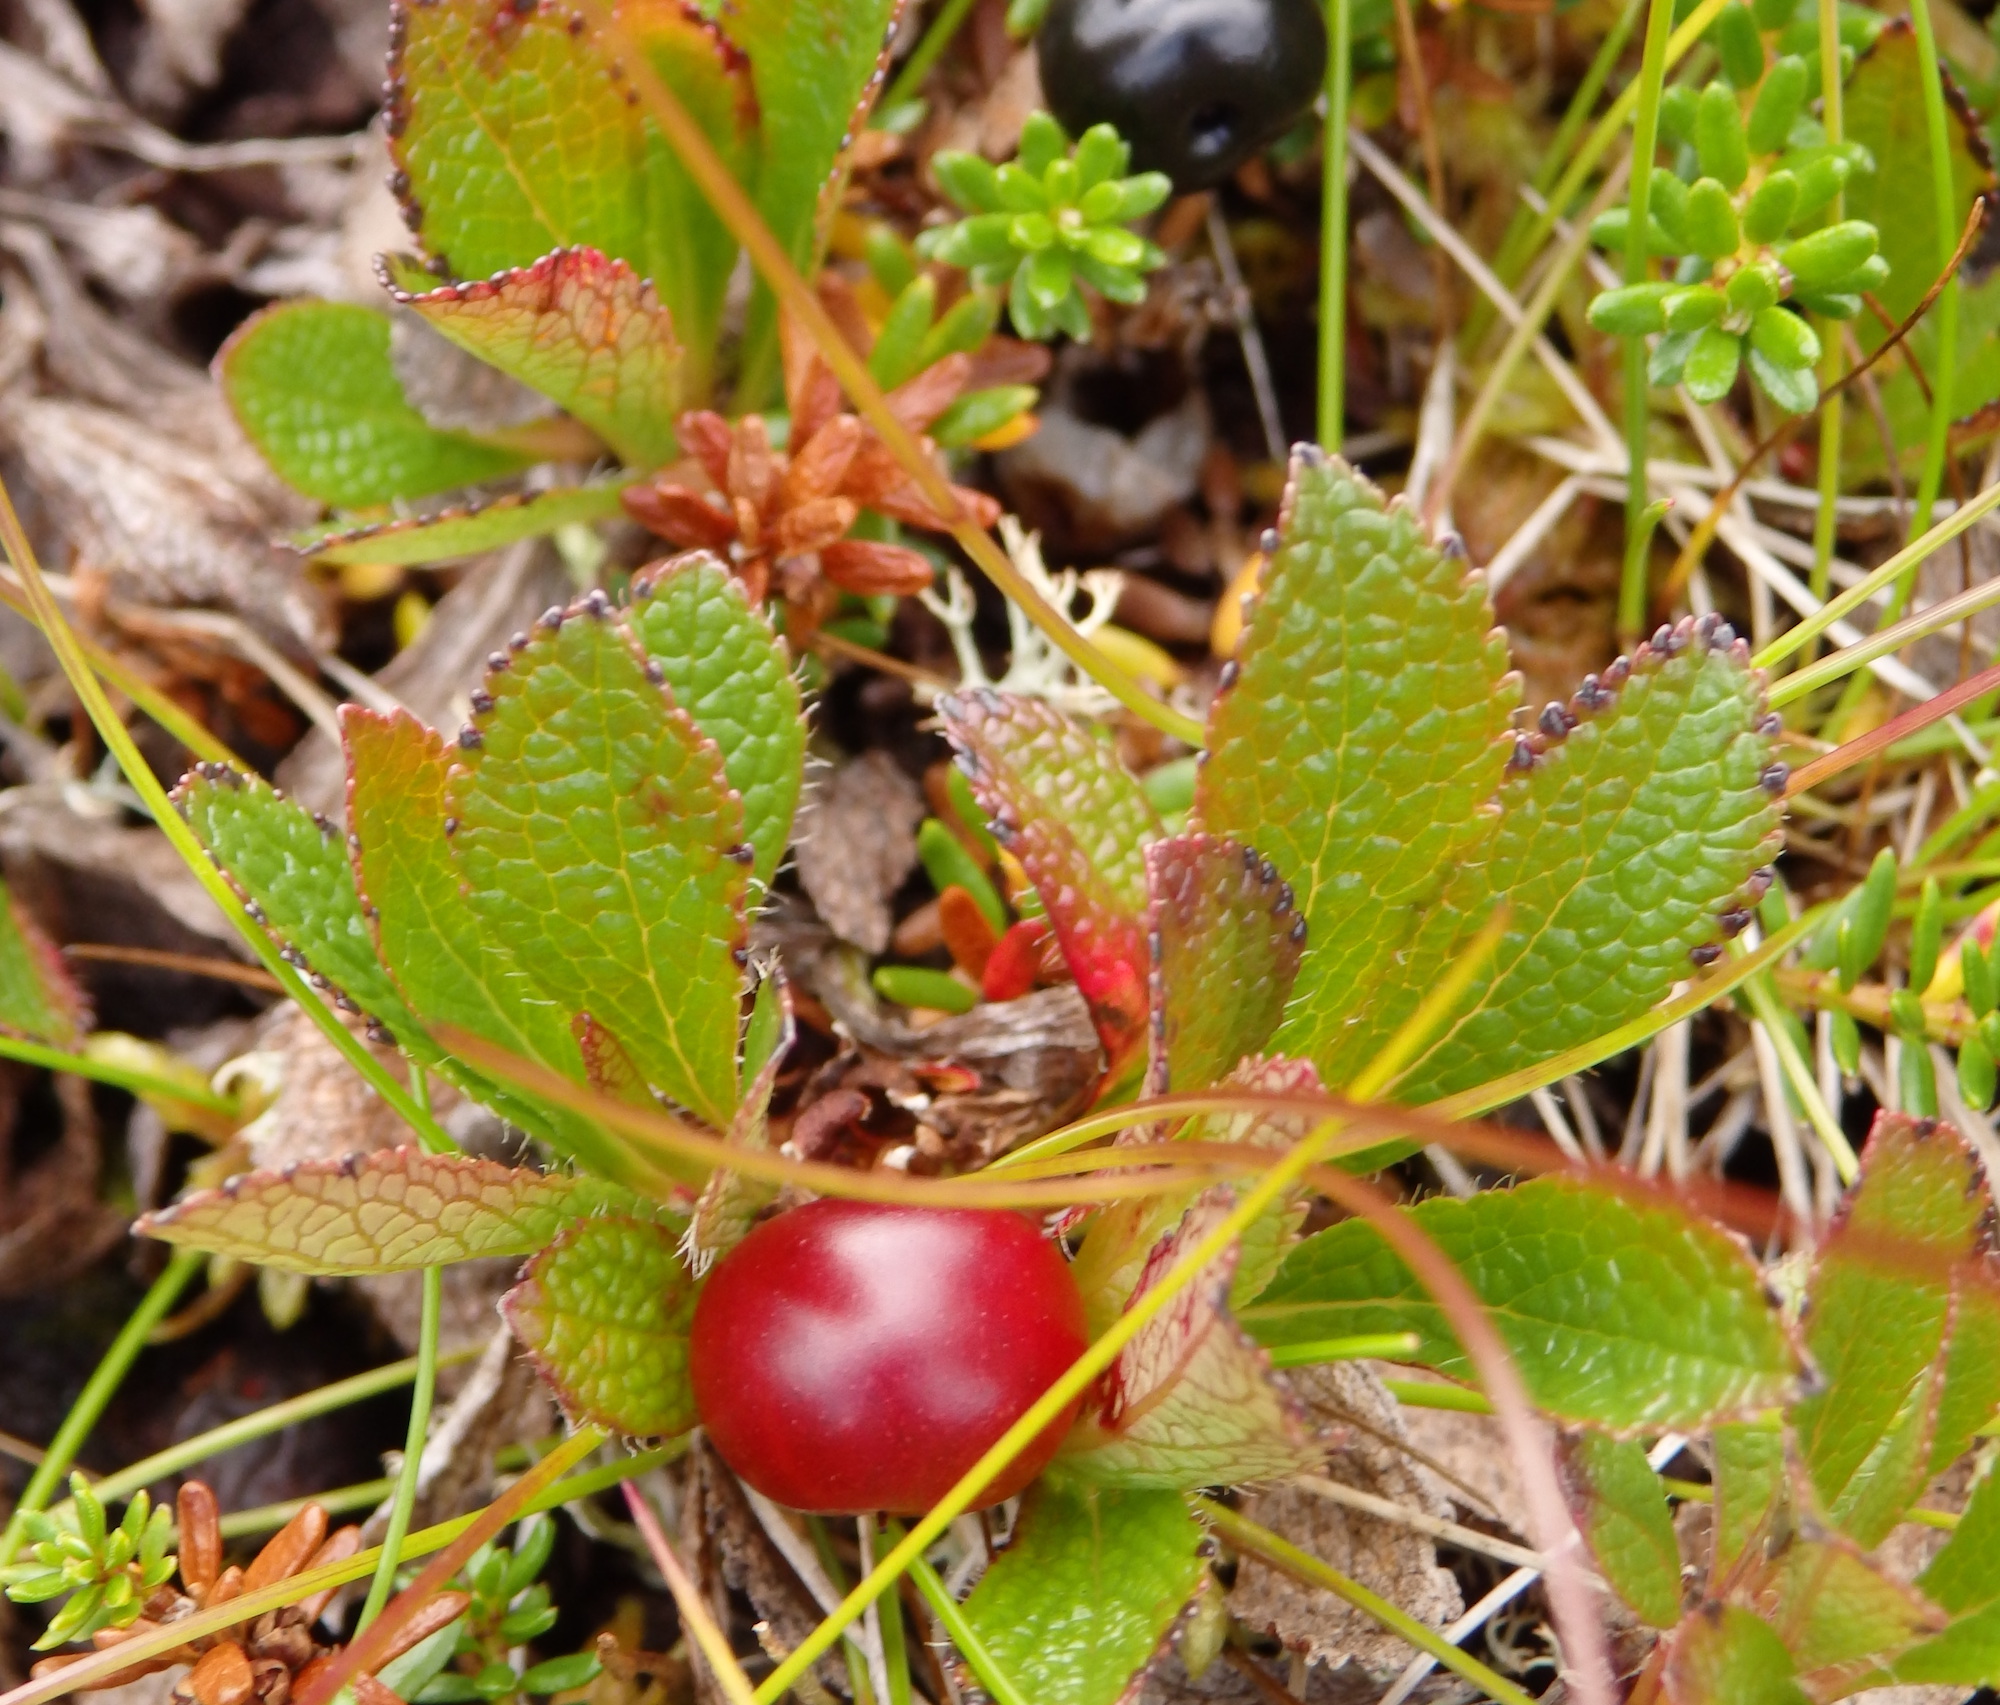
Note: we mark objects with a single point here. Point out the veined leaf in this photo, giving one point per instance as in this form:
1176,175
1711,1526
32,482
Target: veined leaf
1358,743
1964,1579
1749,1492
728,670
1620,844
292,870
1121,1235
461,532
605,1312
602,846
312,385
38,997
1723,1655
1618,1310
1883,110
385,1212
1879,1325
1224,937
449,966
816,65
1061,802
1191,1401
1621,1509
1089,1588
586,331
1839,1616
515,134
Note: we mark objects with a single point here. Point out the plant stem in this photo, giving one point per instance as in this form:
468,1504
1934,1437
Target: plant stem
1039,1414
1798,1074
1638,265
1333,227
951,1617
926,53
305,1407
1833,409
796,297
1901,563
1434,1394
133,1078
1943,365
407,1474
102,1386
1281,1554
1388,1346
117,738
250,1605
895,1648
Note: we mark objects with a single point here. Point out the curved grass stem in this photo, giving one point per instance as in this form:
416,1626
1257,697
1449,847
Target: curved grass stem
1333,226
796,297
1937,440
411,1471
63,641
133,1078
98,1391
1260,1542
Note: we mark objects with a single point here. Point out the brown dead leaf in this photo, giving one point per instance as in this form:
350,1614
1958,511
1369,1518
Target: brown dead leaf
1476,1461
857,841
52,1223
1394,1561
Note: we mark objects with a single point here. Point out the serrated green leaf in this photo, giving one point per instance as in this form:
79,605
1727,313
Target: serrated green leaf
312,385
1190,1401
1361,738
385,1212
814,63
1749,1488
1089,1588
1060,801
518,134
1839,1616
461,532
1965,1575
38,997
584,330
1615,852
1883,110
605,1313
450,968
1621,1310
1722,1655
729,671
602,845
1878,1325
293,868
1224,937
1621,1509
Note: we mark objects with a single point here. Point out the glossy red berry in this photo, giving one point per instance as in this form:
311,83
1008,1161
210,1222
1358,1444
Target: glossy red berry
849,1356
1196,86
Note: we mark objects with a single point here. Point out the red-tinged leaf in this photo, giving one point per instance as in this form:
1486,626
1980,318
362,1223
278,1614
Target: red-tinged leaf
601,842
1079,823
1621,1509
385,1212
1722,1655
607,1068
1225,939
1191,1401
730,1201
1361,738
1964,1578
1114,1249
605,1312
584,330
38,997
1750,1494
1879,1322
1839,1616
448,966
516,132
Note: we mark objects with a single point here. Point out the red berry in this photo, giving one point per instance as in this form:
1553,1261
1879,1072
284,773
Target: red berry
849,1356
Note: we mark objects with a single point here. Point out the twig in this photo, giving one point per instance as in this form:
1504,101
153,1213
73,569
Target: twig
1255,360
